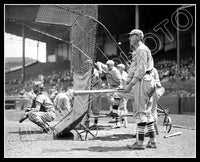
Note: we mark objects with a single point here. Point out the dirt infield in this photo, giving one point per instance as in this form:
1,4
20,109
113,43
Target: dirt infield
25,140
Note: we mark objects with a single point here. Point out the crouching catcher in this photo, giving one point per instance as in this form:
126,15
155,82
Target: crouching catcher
43,112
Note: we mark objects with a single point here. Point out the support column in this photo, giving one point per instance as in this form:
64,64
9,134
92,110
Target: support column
137,23
178,48
23,54
37,50
178,62
117,39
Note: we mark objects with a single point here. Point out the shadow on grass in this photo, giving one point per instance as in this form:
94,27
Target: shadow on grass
101,149
115,137
27,132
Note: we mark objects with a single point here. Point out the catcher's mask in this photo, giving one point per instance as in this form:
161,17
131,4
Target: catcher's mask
38,86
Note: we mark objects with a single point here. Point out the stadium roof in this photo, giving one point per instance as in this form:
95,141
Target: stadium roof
57,19
50,19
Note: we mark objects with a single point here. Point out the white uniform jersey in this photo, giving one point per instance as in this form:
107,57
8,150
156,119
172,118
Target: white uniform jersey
63,101
44,100
115,80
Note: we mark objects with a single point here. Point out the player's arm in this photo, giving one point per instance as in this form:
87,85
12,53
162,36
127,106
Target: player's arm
102,67
116,77
157,79
36,109
139,72
131,72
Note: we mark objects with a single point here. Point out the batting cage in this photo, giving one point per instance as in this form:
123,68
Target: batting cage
72,27
82,48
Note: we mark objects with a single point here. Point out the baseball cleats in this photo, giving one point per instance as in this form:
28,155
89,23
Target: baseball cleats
136,146
151,144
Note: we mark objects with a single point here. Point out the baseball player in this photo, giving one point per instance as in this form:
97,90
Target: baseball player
159,91
64,101
114,81
53,92
96,84
123,104
44,111
142,84
96,100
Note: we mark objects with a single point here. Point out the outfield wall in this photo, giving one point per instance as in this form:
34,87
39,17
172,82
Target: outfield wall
176,105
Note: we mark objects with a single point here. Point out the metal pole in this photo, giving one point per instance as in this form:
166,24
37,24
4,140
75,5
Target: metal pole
23,55
37,50
137,25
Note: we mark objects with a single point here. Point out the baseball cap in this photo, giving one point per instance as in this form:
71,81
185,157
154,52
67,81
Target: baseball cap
136,31
38,84
110,62
121,66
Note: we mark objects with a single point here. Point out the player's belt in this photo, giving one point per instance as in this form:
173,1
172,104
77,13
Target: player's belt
114,86
116,98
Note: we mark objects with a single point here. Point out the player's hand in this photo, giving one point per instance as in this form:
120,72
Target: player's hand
28,109
23,117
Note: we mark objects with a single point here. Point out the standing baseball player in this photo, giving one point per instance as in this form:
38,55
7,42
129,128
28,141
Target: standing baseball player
96,99
123,104
44,111
114,81
159,91
143,86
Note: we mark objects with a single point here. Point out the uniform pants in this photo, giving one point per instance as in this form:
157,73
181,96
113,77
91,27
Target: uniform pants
41,118
142,93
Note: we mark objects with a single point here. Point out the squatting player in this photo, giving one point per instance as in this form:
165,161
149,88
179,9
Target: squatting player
44,111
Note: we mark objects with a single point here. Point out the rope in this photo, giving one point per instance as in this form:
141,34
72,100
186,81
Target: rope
95,20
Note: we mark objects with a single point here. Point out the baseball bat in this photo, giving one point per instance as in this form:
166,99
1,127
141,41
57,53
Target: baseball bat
178,126
87,92
173,134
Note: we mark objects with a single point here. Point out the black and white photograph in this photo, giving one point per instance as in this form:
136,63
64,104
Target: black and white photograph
100,80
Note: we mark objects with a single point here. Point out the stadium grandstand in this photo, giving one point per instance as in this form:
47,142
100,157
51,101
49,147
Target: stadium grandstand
174,57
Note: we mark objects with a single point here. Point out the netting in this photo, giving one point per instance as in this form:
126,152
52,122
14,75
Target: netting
54,21
82,42
83,36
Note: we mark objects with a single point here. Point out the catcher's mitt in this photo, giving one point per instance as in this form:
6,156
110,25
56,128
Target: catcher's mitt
23,117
